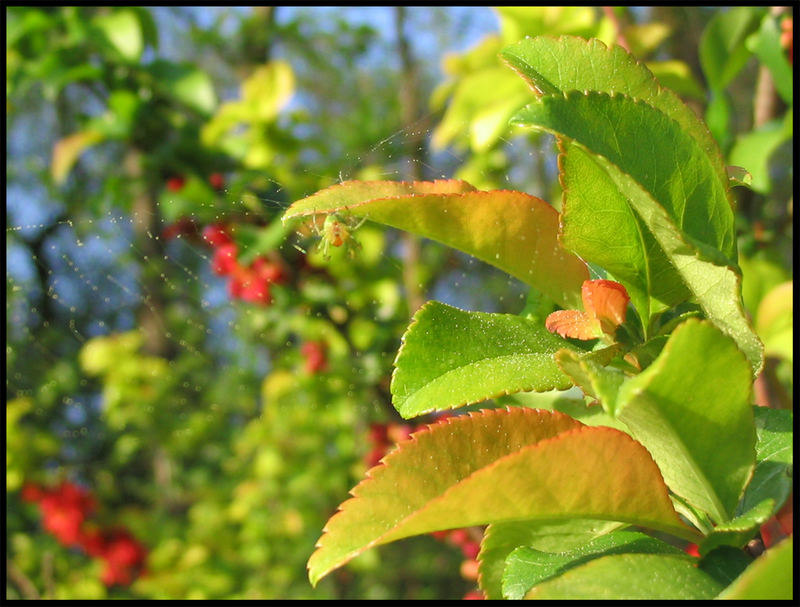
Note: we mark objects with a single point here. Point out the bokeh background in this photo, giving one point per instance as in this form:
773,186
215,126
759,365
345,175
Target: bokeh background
192,386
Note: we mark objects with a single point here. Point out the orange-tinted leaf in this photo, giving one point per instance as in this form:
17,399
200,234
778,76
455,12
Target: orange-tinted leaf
573,323
607,301
496,466
513,231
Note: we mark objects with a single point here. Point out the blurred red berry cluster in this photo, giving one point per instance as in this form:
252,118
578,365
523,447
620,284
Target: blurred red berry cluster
248,283
177,182
382,437
468,540
65,509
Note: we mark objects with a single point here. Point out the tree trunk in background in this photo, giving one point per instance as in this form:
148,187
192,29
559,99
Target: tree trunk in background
416,153
146,227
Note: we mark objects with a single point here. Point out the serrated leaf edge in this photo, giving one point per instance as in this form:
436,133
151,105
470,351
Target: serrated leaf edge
708,143
400,353
685,533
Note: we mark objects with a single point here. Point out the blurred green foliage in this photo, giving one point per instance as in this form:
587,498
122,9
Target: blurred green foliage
191,417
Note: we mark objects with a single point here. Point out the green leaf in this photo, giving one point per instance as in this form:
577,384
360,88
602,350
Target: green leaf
753,150
740,530
645,38
599,224
725,564
570,402
496,466
517,22
677,76
715,284
678,227
766,45
772,477
760,274
596,380
186,83
679,409
722,48
719,111
513,231
631,576
663,187
451,358
558,65
123,30
484,101
528,567
775,321
650,148
770,576
500,539
264,94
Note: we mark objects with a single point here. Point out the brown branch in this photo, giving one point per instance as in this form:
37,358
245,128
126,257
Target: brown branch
47,574
21,581
146,224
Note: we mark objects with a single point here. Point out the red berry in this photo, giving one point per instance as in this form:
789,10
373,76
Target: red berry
175,184
470,549
378,433
93,542
374,457
217,234
785,516
314,353
692,550
224,259
458,537
255,290
63,511
269,270
32,492
474,595
216,181
441,535
399,432
124,557
234,288
64,523
469,569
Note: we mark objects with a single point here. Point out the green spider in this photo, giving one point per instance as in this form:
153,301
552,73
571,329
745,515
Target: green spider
337,232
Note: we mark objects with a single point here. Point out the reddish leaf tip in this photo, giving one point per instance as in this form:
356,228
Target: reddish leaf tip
605,303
